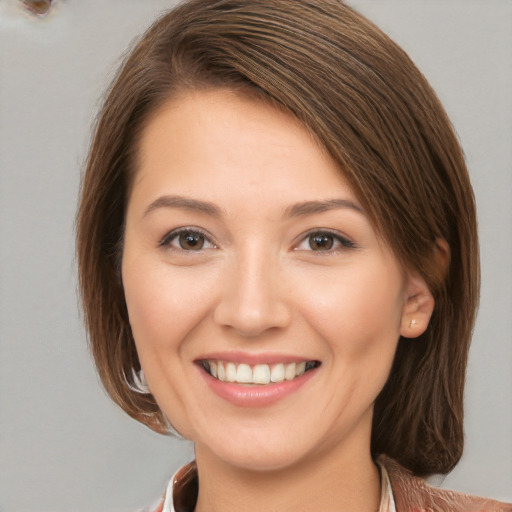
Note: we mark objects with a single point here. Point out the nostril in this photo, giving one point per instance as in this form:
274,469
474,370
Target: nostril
250,321
252,298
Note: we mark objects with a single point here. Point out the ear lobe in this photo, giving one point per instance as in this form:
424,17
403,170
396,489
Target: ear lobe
418,307
419,303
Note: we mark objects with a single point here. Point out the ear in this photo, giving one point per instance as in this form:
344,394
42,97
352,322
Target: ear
418,307
419,301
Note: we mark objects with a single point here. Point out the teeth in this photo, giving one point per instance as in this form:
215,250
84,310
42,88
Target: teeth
259,374
221,372
289,371
277,373
231,372
244,374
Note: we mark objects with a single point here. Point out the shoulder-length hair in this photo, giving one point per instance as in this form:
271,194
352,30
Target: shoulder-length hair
374,112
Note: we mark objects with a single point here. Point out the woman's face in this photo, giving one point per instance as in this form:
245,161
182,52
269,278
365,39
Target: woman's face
265,309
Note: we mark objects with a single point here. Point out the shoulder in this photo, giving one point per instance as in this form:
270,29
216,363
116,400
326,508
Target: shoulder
413,494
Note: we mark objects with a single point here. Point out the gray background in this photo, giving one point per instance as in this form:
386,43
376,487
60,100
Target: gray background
63,446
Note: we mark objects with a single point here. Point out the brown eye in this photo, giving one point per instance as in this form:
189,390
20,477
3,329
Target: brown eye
187,240
321,241
191,241
324,241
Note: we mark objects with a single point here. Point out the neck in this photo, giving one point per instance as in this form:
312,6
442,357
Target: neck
333,481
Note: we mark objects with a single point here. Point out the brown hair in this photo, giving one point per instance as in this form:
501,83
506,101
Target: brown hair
375,113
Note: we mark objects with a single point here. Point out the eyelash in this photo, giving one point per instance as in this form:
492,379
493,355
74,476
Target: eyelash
174,235
341,241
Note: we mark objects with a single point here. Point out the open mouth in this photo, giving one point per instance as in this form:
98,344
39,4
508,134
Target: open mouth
259,374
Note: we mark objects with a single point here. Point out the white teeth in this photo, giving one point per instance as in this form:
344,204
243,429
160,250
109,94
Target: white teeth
301,368
277,373
231,372
259,374
221,372
244,374
213,368
289,371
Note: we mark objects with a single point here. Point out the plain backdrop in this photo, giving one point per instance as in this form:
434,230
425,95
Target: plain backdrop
63,445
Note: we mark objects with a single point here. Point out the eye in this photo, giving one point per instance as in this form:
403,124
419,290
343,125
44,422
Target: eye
187,239
324,241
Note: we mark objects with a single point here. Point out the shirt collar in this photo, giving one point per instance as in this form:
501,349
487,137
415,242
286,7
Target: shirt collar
181,492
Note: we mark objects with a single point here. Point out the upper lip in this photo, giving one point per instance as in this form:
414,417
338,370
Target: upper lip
252,358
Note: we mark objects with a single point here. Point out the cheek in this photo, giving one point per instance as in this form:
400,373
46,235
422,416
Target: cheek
358,302
358,311
163,305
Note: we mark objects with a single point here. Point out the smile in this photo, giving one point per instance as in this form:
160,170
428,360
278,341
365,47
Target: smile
259,374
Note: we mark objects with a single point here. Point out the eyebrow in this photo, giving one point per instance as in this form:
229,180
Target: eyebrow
184,203
313,207
297,210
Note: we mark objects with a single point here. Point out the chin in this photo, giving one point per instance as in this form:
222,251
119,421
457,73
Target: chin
254,452
267,461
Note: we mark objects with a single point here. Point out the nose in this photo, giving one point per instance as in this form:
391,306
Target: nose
254,298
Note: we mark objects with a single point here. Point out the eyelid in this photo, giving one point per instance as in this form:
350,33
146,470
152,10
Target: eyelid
165,241
344,241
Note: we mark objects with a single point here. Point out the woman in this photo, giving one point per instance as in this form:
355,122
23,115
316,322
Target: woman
278,257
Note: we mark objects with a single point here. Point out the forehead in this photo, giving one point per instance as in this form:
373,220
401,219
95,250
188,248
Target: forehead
207,139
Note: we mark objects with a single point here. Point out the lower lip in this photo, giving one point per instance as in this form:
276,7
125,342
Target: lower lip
254,395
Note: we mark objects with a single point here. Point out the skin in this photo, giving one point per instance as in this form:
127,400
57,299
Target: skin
260,286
